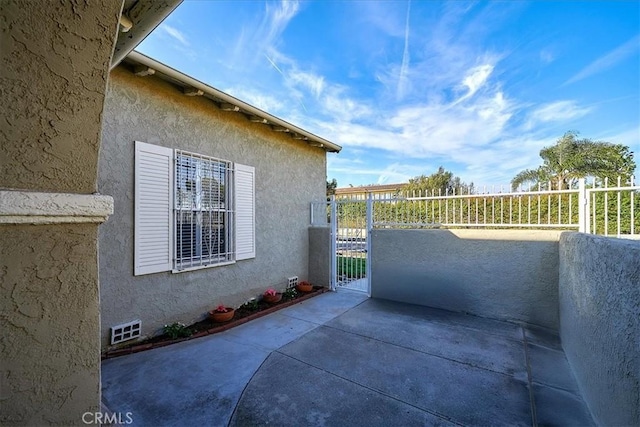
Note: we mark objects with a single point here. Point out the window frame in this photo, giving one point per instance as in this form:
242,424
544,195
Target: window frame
203,165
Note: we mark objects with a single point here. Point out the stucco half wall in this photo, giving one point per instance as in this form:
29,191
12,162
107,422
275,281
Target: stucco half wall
289,174
320,256
502,274
600,323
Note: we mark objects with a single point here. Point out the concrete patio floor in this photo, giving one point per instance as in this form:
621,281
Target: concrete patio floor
341,359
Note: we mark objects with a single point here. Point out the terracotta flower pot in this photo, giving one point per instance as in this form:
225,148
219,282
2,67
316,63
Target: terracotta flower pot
304,287
219,317
272,299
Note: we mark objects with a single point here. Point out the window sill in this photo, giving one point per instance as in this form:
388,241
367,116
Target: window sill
201,267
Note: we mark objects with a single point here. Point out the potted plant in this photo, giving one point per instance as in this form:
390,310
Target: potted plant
271,296
304,286
221,314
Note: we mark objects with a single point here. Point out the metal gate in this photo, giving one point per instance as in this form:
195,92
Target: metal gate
350,221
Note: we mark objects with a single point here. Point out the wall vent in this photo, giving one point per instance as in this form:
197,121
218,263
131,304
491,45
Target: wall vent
126,331
292,282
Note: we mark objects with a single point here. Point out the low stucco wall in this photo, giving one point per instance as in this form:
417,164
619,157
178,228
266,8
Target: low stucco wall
320,255
289,175
600,323
502,274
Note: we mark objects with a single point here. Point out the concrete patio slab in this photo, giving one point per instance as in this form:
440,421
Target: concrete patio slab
412,312
446,388
196,382
325,307
542,336
301,395
556,407
341,359
477,346
271,332
550,367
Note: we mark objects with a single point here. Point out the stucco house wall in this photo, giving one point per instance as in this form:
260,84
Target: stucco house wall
289,174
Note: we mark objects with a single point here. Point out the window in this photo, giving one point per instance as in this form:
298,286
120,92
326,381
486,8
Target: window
191,210
202,214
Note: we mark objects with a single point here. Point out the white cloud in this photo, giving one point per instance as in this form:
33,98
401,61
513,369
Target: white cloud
277,17
310,81
476,78
559,111
607,61
629,137
389,174
257,99
175,34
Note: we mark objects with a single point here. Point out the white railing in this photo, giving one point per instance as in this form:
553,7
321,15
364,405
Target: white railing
594,207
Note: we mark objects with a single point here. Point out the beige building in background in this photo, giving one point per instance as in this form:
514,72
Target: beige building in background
378,191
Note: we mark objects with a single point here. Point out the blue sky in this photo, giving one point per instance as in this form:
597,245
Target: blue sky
404,87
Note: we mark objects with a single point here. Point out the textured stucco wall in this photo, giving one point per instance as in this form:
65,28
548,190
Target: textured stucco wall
54,59
600,323
320,255
502,274
289,175
49,304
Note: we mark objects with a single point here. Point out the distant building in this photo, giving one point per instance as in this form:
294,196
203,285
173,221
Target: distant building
378,191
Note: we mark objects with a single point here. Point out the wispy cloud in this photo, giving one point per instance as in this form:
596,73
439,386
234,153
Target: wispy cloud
276,18
404,68
311,81
559,111
256,98
607,61
547,56
392,173
175,34
475,79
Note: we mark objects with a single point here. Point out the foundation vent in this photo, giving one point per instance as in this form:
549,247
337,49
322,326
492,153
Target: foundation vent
125,331
292,282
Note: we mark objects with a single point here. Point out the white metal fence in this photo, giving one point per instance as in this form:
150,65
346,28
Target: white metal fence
595,207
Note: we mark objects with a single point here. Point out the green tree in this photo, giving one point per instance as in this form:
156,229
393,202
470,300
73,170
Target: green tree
572,158
441,182
331,187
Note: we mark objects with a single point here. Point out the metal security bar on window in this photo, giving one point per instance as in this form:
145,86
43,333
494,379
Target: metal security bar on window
203,211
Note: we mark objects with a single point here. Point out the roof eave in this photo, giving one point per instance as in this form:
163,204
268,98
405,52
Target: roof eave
230,103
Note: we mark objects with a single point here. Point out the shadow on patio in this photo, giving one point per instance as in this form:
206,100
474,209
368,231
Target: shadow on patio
342,359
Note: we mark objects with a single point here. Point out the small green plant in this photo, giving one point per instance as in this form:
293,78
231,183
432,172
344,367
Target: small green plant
251,305
177,330
290,293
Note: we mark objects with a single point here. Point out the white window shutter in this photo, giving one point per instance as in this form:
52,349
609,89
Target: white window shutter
153,224
245,212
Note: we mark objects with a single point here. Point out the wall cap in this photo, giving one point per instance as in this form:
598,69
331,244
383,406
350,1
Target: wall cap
27,207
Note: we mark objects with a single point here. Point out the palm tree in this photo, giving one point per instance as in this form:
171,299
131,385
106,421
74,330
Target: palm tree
571,158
